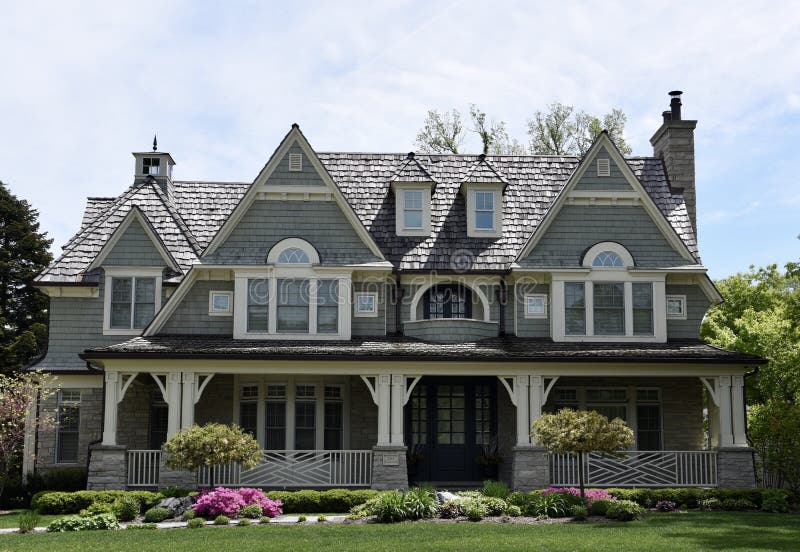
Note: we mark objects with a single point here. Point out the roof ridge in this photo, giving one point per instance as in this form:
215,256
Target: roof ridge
177,218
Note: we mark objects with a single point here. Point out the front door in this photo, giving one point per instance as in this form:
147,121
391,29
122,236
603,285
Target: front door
449,424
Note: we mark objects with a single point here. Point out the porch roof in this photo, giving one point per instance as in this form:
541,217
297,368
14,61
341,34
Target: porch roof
403,348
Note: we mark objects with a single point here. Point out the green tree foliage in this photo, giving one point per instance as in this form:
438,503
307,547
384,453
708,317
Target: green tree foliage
23,309
211,445
580,432
761,316
774,428
442,132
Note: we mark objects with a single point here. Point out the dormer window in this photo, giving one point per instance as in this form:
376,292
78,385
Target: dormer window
132,297
151,165
484,210
413,208
484,204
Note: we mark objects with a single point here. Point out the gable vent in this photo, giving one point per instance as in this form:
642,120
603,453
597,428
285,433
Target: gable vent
603,167
295,162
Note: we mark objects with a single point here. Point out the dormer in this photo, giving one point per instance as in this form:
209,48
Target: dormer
157,164
412,186
482,188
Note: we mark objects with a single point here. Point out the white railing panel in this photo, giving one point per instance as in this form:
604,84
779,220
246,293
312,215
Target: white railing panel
297,468
638,469
143,468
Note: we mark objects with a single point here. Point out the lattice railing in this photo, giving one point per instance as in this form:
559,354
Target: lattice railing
143,468
697,468
297,468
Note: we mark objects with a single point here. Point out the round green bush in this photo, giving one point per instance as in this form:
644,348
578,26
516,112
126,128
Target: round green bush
127,508
322,518
156,515
196,523
578,512
474,510
265,520
775,500
625,510
494,506
513,511
600,507
222,520
189,515
251,511
301,518
244,522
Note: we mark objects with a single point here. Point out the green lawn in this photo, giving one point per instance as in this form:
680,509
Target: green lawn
669,532
10,520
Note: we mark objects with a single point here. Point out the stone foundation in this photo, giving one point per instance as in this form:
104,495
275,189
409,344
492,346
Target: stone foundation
529,468
389,470
107,468
735,468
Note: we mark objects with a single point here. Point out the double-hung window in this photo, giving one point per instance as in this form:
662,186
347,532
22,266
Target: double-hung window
412,209
248,408
327,306
305,414
293,299
132,302
484,210
642,308
275,422
575,308
334,418
257,305
68,433
609,308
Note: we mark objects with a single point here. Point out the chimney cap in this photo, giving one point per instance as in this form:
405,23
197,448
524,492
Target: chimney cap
676,93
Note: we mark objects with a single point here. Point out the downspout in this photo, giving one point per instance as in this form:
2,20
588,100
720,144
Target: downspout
502,298
398,296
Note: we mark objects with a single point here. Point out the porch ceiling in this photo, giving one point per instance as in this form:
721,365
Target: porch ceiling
404,349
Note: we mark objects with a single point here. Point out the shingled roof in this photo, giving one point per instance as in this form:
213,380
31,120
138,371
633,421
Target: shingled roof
191,215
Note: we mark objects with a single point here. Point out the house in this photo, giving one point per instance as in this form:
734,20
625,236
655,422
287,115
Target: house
384,319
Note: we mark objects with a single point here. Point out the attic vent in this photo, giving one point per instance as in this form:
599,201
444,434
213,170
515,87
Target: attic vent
295,162
603,167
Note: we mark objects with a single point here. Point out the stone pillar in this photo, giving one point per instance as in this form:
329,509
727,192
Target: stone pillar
168,477
735,468
530,468
389,470
107,467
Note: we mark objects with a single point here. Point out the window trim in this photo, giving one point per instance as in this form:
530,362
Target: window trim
218,312
69,403
399,194
497,219
680,316
614,247
292,243
534,315
295,162
129,272
357,312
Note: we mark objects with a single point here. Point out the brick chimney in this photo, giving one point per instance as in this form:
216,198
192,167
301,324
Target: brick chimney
673,143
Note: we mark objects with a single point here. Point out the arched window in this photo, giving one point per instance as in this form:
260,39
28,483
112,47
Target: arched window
607,259
293,255
447,301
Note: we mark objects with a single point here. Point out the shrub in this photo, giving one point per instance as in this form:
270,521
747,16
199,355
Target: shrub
474,510
60,503
251,511
774,427
549,505
600,507
175,492
390,507
264,520
451,510
625,510
127,508
244,522
494,506
322,518
219,501
737,504
156,515
188,515
27,521
332,500
98,508
497,489
222,520
88,523
513,511
578,512
420,503
255,497
517,499
774,500
666,506
710,504
57,479
140,526
196,523
590,494
302,518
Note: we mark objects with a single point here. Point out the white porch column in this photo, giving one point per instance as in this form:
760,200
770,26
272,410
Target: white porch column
174,404
738,413
396,417
187,400
521,397
110,411
725,421
383,396
536,395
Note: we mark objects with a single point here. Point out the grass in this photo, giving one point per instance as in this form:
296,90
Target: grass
12,520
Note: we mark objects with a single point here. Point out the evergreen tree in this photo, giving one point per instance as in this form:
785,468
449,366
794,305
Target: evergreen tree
24,252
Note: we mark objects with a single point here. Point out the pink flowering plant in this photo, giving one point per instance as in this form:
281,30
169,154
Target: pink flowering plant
228,502
590,494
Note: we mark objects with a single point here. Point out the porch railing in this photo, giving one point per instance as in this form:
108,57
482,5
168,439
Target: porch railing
297,468
143,468
697,468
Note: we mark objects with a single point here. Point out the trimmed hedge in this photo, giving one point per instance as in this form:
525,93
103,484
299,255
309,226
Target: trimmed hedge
72,503
311,502
690,497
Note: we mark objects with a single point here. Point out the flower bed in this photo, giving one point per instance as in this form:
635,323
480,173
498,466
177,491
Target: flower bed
229,502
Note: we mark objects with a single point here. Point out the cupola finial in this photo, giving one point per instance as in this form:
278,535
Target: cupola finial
155,143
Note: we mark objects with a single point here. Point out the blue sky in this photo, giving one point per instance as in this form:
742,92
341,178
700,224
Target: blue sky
87,83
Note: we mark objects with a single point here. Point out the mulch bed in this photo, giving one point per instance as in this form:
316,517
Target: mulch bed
522,520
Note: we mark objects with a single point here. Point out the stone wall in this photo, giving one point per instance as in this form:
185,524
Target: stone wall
389,469
216,403
529,468
133,414
91,415
363,416
735,468
107,468
506,432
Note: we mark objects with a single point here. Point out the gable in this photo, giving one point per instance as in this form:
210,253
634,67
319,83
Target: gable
590,181
576,228
134,248
190,316
266,222
282,176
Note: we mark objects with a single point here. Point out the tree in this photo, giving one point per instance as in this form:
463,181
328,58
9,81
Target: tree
494,136
442,133
564,131
211,445
23,309
774,428
761,316
580,432
18,398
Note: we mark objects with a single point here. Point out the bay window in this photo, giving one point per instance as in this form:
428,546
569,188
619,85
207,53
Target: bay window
575,308
293,305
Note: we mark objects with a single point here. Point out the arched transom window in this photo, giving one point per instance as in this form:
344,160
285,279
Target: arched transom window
608,255
293,251
293,255
607,259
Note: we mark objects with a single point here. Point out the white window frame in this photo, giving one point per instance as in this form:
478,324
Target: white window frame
543,297
128,272
679,316
357,312
212,311
399,193
71,402
497,219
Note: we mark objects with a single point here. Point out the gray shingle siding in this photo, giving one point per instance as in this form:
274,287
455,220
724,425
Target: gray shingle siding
307,177
696,306
191,315
134,248
321,223
370,325
578,227
451,331
591,182
531,327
